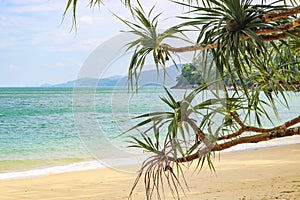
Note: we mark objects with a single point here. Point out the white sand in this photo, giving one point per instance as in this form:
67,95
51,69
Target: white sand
267,173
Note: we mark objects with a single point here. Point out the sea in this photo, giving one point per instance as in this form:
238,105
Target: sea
54,130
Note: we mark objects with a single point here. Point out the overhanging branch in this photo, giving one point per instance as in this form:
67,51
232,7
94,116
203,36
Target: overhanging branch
247,139
266,34
278,29
294,83
245,128
264,38
199,133
280,14
269,38
283,130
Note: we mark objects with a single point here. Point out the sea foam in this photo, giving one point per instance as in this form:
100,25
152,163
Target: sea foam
79,166
115,163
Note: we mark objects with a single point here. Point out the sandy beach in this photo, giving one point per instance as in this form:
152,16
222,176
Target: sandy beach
267,173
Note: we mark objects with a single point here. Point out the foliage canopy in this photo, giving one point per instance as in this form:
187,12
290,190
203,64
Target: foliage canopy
256,43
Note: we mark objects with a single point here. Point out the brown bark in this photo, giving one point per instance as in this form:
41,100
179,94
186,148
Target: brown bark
294,83
283,130
267,34
264,38
278,29
199,133
292,122
264,134
281,36
245,128
247,139
280,14
166,47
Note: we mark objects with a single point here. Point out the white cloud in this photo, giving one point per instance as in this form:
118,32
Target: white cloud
33,6
33,38
86,19
14,68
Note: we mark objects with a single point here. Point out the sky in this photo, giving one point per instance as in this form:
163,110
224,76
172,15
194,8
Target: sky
38,46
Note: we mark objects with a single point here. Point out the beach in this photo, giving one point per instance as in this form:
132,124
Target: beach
50,146
264,173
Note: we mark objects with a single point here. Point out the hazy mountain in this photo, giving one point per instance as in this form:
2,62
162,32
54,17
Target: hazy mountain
147,78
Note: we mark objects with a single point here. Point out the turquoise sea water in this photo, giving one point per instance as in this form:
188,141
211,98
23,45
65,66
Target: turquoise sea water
47,127
38,126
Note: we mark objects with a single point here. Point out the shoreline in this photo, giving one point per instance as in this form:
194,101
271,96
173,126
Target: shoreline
264,173
95,164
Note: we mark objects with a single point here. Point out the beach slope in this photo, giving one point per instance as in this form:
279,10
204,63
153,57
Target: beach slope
266,173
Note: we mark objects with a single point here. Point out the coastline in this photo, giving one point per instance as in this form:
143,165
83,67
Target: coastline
257,173
93,164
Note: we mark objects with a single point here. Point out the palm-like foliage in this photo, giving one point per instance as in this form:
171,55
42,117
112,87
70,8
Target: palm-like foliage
168,136
295,44
245,45
232,26
148,42
72,5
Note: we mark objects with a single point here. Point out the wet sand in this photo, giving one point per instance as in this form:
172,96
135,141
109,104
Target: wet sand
266,173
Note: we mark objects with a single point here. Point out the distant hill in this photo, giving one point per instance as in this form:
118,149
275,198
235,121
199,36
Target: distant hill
147,78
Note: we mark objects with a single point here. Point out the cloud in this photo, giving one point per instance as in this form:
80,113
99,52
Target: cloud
86,19
33,38
32,6
14,68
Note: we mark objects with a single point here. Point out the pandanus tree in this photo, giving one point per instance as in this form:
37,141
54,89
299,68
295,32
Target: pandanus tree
257,42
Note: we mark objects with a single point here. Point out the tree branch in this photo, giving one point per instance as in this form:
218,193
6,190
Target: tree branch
246,128
292,122
264,38
278,29
266,134
269,38
294,83
278,133
267,35
247,139
199,133
280,14
166,47
238,120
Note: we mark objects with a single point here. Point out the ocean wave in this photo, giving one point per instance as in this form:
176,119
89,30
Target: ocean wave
115,163
73,167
